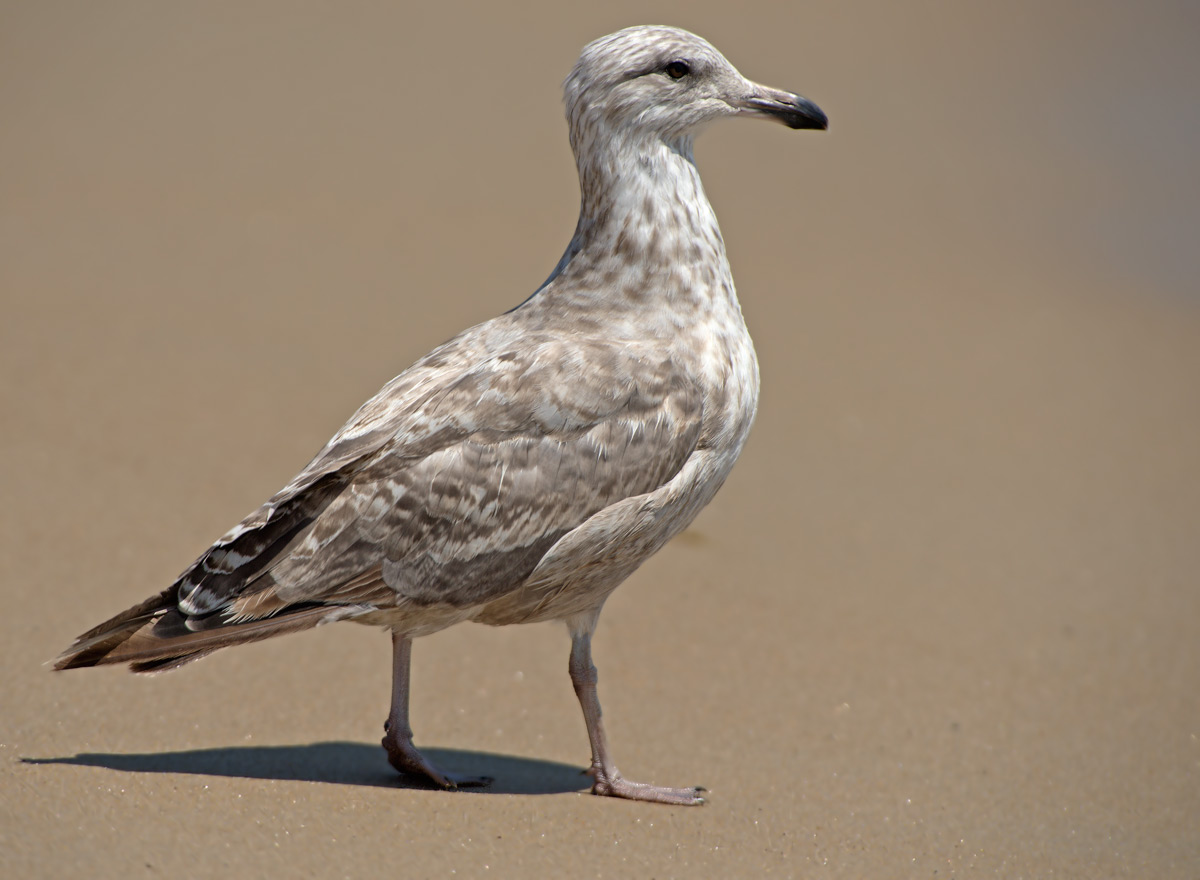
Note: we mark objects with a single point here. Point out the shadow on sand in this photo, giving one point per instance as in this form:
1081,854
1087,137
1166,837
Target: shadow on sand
342,763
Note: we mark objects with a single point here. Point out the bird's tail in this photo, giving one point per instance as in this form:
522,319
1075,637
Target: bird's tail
156,636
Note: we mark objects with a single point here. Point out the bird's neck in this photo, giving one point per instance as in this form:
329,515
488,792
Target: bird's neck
645,225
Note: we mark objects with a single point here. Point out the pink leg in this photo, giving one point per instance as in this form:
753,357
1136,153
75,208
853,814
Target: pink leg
607,779
397,740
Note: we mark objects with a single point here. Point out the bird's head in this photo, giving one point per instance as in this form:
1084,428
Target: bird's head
665,83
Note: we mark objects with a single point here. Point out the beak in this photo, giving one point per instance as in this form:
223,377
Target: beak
792,110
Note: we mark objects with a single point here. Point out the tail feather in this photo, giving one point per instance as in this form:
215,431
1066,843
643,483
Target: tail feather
94,645
155,636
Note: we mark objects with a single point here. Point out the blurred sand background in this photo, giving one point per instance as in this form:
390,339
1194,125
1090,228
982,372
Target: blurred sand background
943,621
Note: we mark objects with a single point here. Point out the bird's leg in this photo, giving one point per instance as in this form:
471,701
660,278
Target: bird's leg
607,780
397,739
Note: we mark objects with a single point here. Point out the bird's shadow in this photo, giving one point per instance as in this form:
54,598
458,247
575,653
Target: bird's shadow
342,763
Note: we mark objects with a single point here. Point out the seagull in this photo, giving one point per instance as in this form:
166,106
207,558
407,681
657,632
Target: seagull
522,470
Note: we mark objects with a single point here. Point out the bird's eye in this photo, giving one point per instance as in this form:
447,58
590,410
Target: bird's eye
677,69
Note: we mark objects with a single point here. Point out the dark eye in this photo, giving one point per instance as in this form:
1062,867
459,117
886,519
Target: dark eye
677,69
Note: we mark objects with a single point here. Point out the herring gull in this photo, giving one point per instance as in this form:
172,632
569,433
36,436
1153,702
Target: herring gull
522,470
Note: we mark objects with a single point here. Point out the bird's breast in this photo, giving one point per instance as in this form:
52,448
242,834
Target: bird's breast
727,368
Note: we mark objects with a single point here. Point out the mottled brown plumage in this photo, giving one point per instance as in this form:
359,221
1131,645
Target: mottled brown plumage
522,470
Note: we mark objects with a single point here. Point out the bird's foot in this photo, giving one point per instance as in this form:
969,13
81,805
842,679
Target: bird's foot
405,758
613,784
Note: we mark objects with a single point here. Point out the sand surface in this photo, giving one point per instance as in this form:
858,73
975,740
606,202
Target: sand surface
944,619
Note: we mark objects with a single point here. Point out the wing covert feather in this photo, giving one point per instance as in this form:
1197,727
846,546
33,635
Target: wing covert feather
451,484
522,453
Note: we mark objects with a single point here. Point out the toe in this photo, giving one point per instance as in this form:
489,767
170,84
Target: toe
620,787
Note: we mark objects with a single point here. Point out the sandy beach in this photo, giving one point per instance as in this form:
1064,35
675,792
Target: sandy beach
944,618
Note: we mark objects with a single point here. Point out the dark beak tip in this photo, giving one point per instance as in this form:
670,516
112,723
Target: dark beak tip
808,115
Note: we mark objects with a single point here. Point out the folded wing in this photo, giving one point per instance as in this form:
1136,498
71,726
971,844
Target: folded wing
446,488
